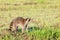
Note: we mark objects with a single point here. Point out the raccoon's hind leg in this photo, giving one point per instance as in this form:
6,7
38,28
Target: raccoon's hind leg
17,28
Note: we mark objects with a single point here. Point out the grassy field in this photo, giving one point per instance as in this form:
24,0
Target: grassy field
44,13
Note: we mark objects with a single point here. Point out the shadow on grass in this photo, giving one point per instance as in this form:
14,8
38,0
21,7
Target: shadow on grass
29,29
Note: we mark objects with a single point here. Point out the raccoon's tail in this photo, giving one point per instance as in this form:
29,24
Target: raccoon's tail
10,27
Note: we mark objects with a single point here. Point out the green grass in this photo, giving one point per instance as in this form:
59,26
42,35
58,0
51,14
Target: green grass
33,34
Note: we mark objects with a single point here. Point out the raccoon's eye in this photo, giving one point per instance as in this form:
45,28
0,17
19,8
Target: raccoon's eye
29,19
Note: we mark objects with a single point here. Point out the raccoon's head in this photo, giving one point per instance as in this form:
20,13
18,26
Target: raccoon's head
28,19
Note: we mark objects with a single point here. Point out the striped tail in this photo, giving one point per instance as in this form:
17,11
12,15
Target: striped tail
11,24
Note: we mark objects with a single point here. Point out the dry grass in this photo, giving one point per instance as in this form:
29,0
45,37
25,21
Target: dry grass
45,14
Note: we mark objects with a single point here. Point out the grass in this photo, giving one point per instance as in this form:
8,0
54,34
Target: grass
33,34
44,13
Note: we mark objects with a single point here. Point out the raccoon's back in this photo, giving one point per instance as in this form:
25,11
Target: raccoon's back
20,20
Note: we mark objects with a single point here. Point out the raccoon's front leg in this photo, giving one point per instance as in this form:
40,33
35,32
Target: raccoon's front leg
26,27
23,29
